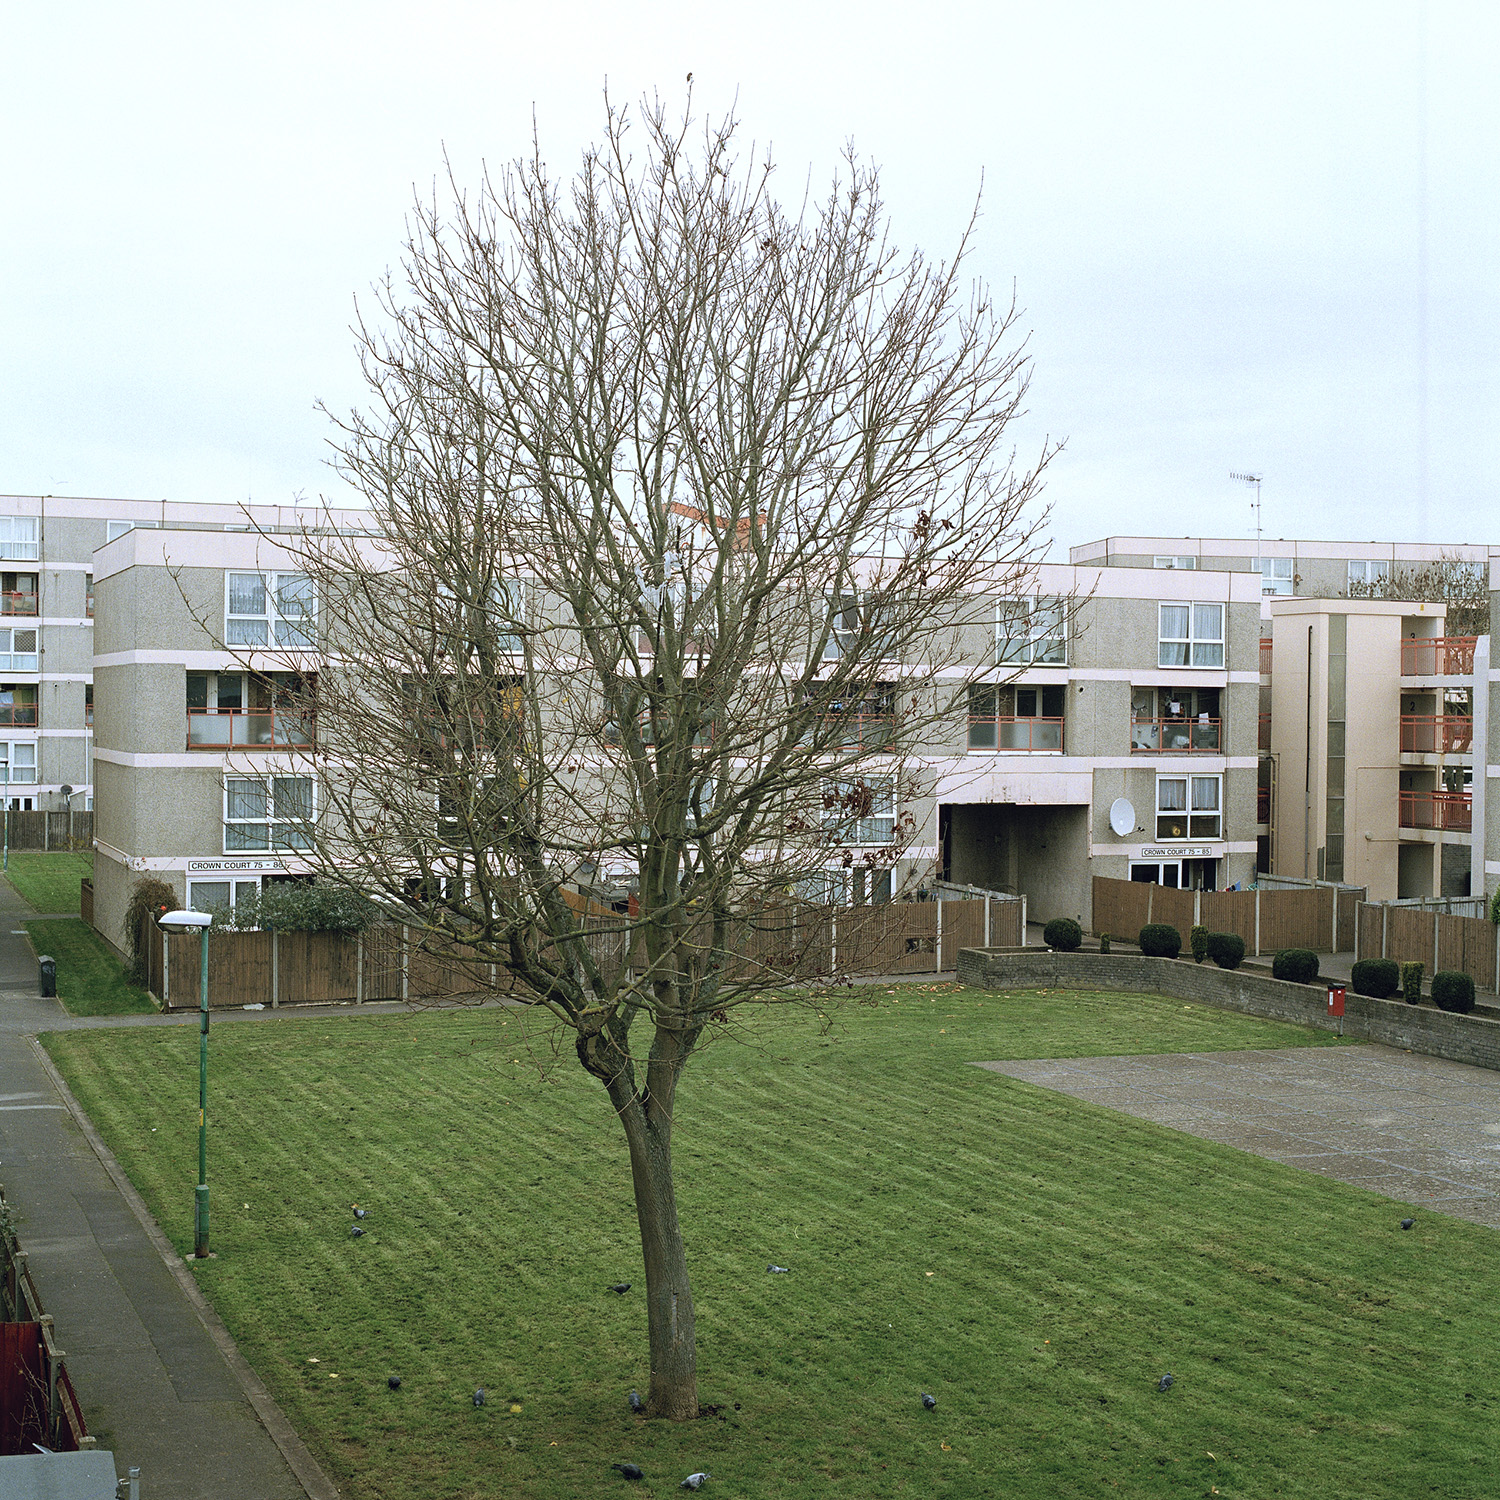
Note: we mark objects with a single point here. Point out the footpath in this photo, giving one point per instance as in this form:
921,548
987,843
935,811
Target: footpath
161,1383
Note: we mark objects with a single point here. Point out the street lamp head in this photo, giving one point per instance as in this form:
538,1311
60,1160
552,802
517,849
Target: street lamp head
184,921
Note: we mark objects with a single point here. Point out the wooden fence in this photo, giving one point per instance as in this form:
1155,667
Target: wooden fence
51,830
1433,939
1322,917
795,944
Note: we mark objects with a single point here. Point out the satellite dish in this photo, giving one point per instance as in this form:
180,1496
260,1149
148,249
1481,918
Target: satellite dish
66,790
1122,816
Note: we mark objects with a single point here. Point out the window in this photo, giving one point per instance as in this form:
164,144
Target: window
269,609
1276,575
1187,807
1368,572
88,596
851,614
1175,719
18,649
18,538
248,710
17,705
269,812
1008,717
1031,632
860,812
512,599
1190,563
88,705
18,593
19,762
1190,635
114,530
215,895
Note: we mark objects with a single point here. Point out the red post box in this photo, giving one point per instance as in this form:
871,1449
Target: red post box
1335,1000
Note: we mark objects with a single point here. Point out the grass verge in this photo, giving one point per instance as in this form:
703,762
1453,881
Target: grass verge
49,882
90,979
1034,1261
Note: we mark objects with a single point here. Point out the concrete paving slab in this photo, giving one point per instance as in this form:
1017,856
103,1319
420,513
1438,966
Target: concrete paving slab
1417,1129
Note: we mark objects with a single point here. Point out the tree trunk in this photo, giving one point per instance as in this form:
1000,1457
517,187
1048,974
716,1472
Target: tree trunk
669,1297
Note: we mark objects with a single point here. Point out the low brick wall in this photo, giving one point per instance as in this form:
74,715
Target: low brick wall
1435,1033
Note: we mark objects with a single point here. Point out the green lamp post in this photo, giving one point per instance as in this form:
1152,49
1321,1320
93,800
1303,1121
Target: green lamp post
199,922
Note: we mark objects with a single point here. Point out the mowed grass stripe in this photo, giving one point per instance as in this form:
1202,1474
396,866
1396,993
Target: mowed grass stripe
1076,1255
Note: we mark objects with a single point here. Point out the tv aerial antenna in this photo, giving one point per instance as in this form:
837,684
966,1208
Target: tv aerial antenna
1254,479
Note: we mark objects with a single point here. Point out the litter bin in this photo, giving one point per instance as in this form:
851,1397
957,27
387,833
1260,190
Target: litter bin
1336,1000
49,974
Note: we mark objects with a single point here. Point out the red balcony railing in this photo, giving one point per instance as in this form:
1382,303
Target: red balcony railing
248,729
1446,811
1003,732
1263,804
1438,656
17,604
859,729
1263,740
1265,655
1436,734
17,715
1176,736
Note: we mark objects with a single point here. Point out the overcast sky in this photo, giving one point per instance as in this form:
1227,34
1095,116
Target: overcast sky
1246,236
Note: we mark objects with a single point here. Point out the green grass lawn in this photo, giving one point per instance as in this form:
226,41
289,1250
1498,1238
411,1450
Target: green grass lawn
49,882
1034,1261
90,979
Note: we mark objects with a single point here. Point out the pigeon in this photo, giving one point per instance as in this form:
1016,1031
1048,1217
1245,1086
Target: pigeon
1407,1223
479,1397
619,1288
630,1471
778,1270
636,1404
361,1213
355,1231
394,1381
928,1401
1165,1383
694,1481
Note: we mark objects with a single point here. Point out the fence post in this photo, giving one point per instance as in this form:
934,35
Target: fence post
1437,927
359,968
166,969
47,832
1358,914
1257,919
833,940
937,942
1198,907
275,969
1023,921
1385,926
986,921
405,963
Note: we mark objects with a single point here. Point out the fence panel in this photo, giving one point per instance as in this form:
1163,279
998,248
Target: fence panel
1120,906
1230,911
1296,919
316,968
963,927
1172,906
1468,944
1410,933
382,963
1005,925
1371,920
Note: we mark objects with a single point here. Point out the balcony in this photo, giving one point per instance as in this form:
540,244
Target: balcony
1008,732
248,729
1438,656
849,728
1176,736
1263,804
1436,734
1265,656
18,716
1263,741
1444,812
12,603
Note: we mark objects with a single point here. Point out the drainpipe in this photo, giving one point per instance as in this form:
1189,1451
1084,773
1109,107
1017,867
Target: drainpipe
1307,778
1479,753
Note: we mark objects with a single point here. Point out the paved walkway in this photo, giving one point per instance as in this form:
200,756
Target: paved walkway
1419,1129
160,1382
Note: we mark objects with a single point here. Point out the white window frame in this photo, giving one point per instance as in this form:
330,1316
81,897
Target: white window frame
19,539
18,772
237,885
12,660
1188,564
858,603
1045,642
1368,571
878,828
114,530
1202,799
276,839
280,632
1278,575
515,606
1199,647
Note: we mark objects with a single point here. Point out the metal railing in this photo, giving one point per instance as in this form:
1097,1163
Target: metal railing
1438,656
1008,732
1447,812
1263,739
17,715
1265,655
1436,734
1173,736
1263,804
13,603
248,729
853,728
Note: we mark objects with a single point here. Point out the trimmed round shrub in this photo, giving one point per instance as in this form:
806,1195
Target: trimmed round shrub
1159,940
1411,983
1453,990
1062,934
1379,978
1226,949
1104,942
1298,965
1198,942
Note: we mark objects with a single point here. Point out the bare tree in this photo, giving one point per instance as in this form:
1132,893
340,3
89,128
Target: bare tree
689,517
1463,586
